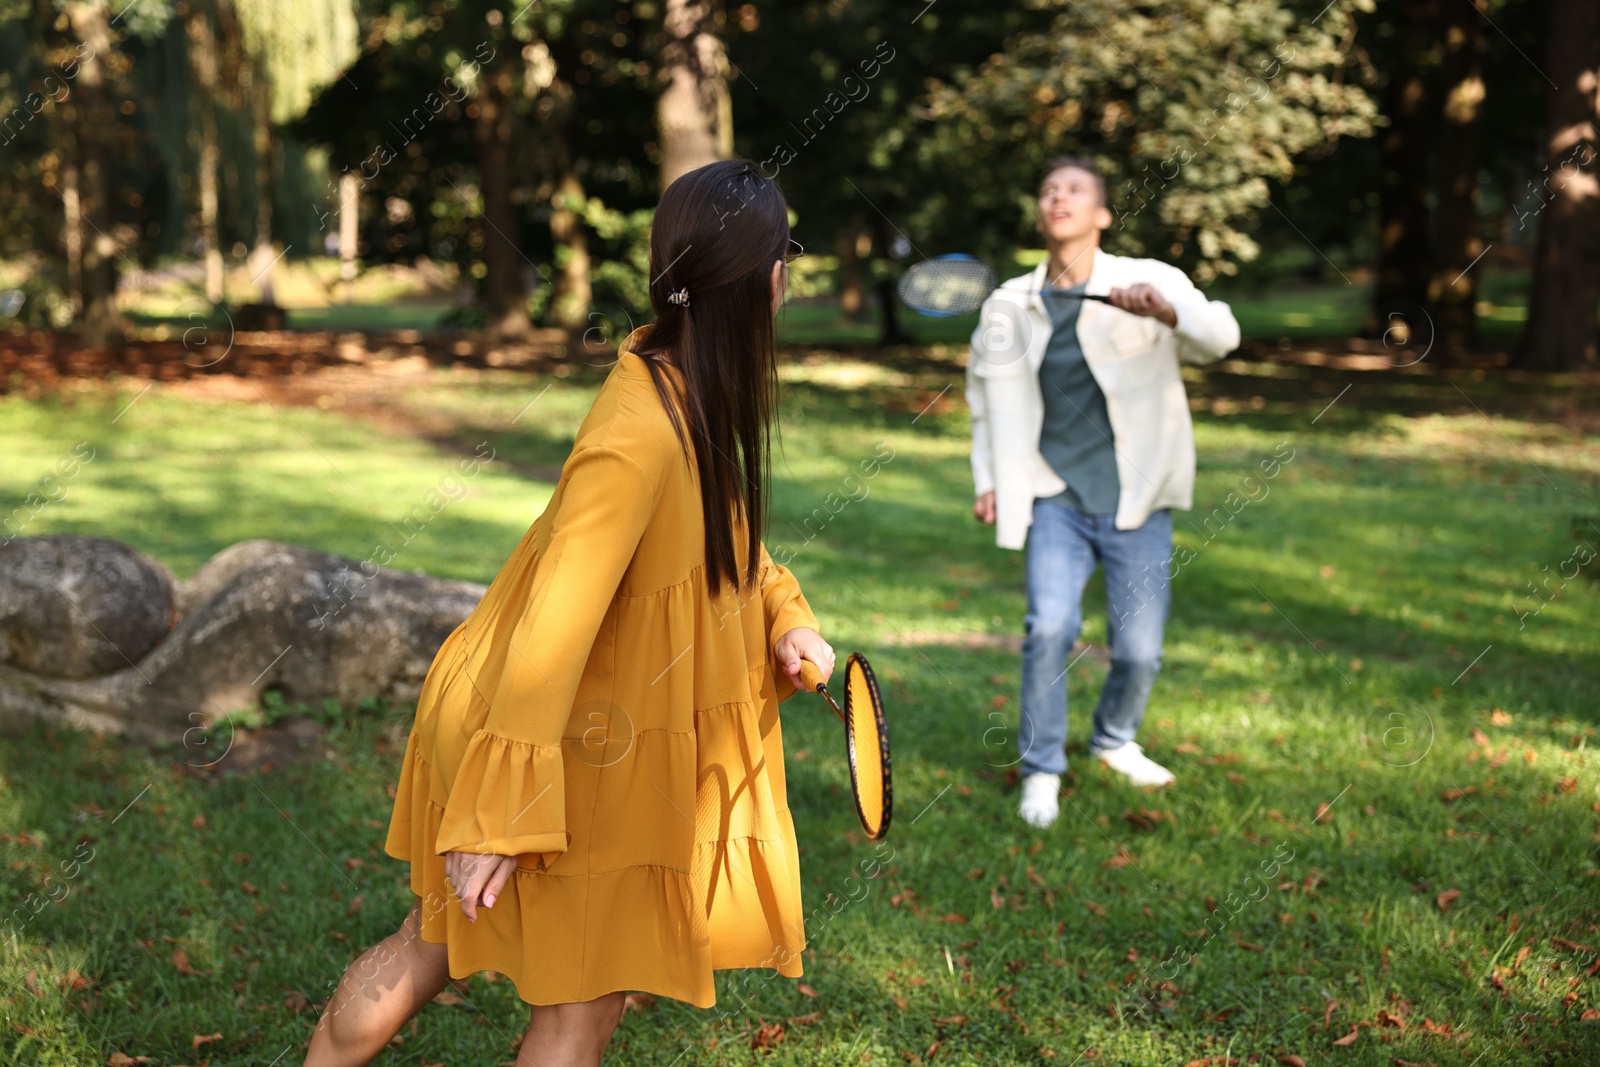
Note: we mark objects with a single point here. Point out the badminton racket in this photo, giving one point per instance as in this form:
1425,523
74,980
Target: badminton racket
956,285
866,737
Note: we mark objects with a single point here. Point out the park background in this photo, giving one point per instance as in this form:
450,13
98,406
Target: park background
272,268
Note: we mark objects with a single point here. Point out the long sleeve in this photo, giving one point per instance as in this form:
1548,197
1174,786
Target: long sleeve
982,465
509,794
1206,329
785,609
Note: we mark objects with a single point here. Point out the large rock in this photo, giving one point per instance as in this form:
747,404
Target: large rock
259,615
77,607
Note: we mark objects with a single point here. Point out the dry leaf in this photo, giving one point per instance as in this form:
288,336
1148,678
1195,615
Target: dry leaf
1445,899
202,1039
1385,1018
1291,1060
996,898
1187,749
805,990
804,1020
1456,794
1499,718
770,1035
449,999
296,1001
355,905
1348,1039
1479,737
180,960
637,1002
952,918
117,1059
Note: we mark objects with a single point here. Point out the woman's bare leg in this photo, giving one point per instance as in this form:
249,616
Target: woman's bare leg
380,991
570,1035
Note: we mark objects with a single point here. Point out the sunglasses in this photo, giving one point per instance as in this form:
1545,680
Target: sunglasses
794,251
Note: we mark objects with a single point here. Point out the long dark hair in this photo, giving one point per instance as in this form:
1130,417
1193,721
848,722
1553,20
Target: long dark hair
717,232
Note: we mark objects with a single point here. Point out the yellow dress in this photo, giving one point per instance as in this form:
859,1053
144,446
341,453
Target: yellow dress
602,717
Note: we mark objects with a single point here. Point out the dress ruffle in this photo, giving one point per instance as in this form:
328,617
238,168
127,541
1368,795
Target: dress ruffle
519,806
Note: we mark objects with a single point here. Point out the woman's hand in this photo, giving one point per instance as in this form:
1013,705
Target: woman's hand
803,643
477,879
983,507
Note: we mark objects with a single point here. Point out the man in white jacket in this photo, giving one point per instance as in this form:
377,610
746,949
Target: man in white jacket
1081,434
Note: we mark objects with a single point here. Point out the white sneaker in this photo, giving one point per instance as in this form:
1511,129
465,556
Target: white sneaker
1130,761
1039,799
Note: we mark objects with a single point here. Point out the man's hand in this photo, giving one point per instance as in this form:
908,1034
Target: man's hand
477,879
803,643
983,507
1142,299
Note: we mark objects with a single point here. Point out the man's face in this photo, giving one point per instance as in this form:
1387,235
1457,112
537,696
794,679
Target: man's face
1070,207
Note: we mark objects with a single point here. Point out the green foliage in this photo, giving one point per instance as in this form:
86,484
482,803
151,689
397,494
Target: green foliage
1193,109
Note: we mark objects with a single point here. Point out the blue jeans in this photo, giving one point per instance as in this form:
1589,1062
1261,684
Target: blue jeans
1064,545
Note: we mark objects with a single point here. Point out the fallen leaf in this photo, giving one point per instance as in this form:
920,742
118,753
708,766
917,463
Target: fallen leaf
202,1039
1499,718
117,1059
768,1036
1385,1018
975,873
1348,1039
996,898
296,1001
805,990
952,918
1121,859
449,999
950,1020
804,1020
180,960
1445,899
1480,738
1187,749
1456,794
637,1002
1589,1015
1291,1060
1096,908
249,887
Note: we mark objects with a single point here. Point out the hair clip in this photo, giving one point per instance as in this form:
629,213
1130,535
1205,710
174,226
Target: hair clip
680,297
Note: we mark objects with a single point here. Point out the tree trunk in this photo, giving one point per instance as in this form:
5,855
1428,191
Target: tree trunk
1404,248
263,259
694,113
889,330
1561,332
855,244
204,56
349,232
72,225
100,323
493,127
572,296
1453,286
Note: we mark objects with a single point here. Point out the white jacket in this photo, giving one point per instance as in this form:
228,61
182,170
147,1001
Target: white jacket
1133,358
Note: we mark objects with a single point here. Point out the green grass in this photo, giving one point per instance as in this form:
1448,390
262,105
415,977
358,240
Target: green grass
1343,640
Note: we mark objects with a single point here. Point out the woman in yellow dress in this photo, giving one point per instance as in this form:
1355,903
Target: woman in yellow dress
592,799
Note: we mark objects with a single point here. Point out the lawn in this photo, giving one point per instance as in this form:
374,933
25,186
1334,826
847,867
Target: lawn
1381,848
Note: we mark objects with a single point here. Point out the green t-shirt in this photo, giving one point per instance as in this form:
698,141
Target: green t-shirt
1076,437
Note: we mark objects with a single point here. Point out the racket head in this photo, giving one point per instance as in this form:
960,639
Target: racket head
946,285
867,742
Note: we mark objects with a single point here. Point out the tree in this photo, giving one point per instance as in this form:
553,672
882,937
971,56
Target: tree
1405,246
1561,332
694,114
1453,284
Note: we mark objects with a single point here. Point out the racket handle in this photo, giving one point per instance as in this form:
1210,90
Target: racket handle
812,676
